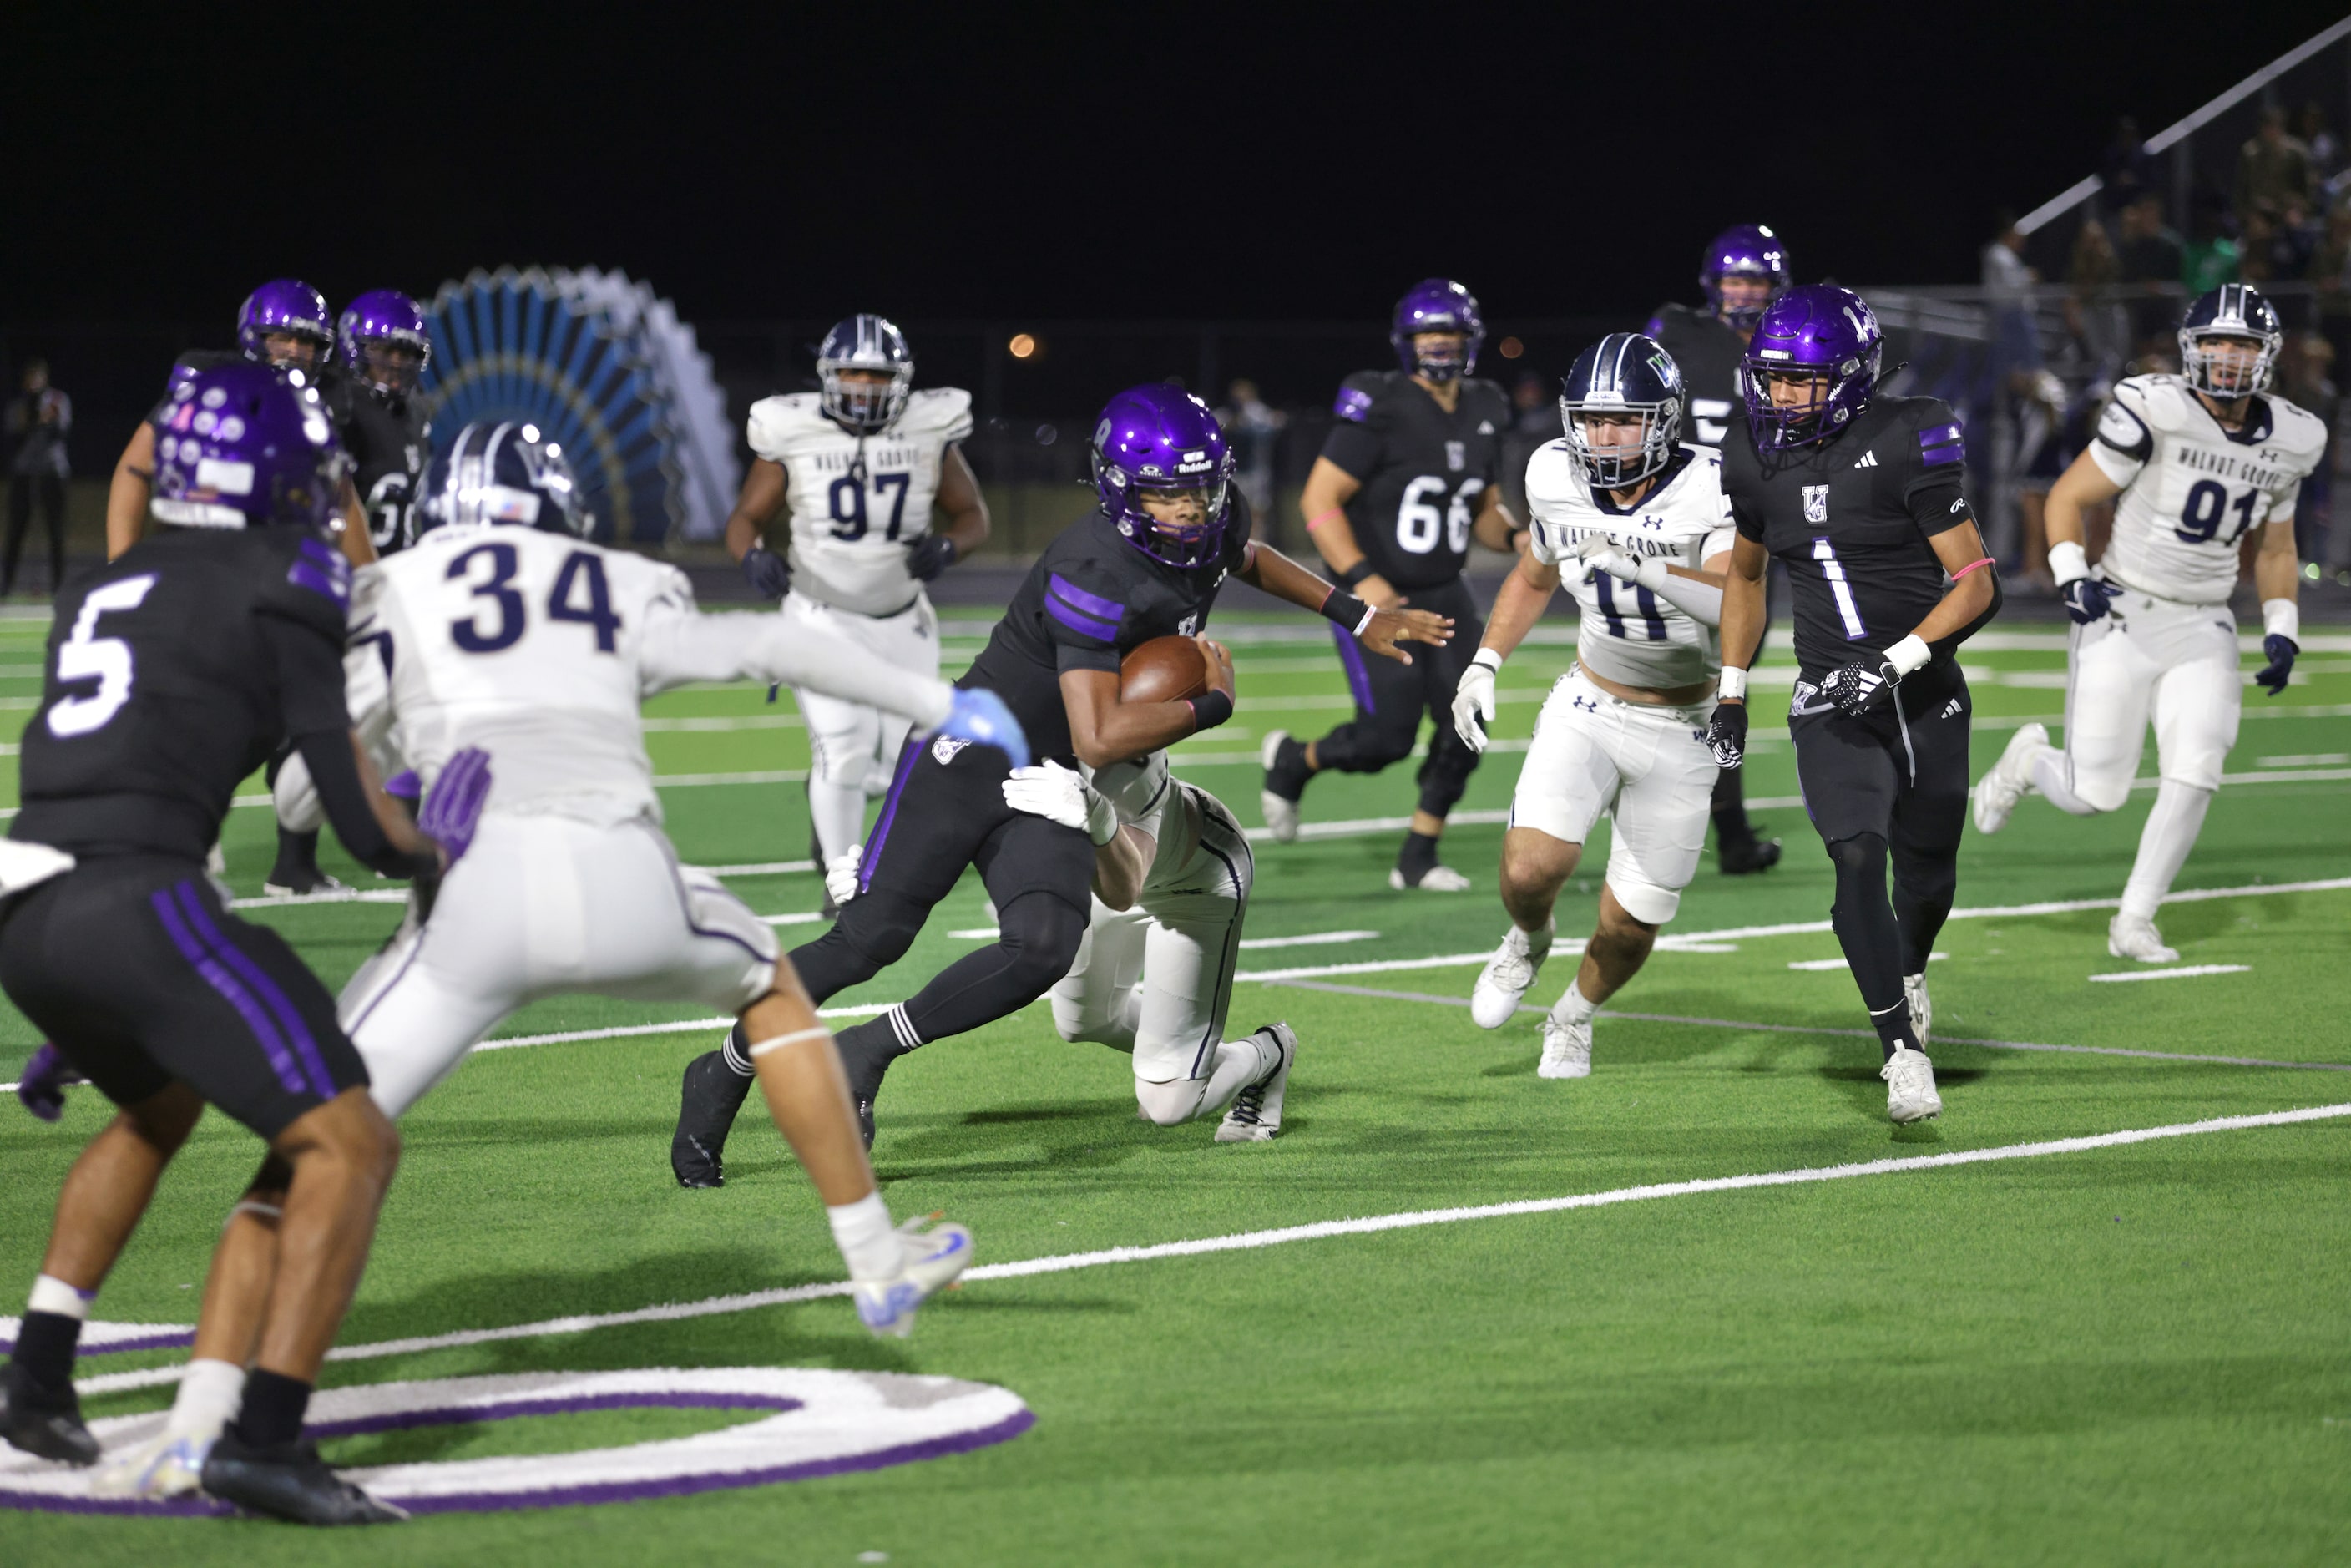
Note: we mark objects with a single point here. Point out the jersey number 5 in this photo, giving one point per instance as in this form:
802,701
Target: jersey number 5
581,573
83,656
2207,502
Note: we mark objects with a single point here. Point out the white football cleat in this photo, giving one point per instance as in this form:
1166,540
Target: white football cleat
1436,879
1910,1086
171,1464
1922,1007
1567,1050
2132,937
934,1259
1997,791
1494,999
1280,813
1255,1113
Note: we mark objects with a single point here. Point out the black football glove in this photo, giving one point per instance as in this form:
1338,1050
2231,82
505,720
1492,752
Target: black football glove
769,574
2281,651
1861,688
930,554
1726,734
2086,599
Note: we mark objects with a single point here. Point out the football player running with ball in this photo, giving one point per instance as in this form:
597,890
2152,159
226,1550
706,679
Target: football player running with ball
1859,496
2200,459
1170,528
1405,478
860,465
1636,523
1744,269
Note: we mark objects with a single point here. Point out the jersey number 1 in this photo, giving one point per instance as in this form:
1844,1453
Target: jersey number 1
1833,570
580,571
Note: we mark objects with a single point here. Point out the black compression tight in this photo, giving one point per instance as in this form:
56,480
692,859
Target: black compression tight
1867,930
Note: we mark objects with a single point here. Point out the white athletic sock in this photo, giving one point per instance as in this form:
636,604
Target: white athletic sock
210,1394
2163,845
1240,1063
1573,1008
868,1245
51,1295
839,812
2054,779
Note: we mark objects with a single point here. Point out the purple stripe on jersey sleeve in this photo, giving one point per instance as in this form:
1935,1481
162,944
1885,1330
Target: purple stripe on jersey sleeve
1079,622
322,569
255,1019
289,1016
1354,404
1092,603
1942,444
1931,457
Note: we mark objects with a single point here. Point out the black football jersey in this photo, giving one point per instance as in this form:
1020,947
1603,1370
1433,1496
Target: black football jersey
1850,517
1708,351
162,689
389,440
1090,599
1424,472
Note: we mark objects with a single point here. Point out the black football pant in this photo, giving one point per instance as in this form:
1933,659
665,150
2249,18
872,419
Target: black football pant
1391,696
22,490
939,818
134,967
1889,789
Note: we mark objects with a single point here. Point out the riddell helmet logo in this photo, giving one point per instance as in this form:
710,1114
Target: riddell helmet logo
1816,503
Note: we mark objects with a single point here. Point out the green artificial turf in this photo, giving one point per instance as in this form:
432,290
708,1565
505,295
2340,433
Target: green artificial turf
2134,1353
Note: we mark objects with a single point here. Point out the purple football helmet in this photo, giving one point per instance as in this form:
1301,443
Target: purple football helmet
374,331
1155,439
1437,305
1821,330
1748,250
246,445
286,305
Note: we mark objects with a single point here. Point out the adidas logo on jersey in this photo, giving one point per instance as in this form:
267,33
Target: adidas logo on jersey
1868,460
1485,427
1950,709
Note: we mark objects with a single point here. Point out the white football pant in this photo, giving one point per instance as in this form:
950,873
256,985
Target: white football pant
1593,753
853,748
2150,657
543,904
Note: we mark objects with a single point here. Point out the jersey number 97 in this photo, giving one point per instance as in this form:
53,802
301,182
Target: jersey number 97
849,504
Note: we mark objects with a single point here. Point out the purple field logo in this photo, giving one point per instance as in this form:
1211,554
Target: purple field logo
815,1423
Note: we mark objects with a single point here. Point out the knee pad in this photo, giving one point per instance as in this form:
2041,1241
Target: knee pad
1041,934
1171,1104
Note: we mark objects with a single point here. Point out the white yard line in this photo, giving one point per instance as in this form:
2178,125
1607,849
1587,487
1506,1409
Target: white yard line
2180,973
1319,1230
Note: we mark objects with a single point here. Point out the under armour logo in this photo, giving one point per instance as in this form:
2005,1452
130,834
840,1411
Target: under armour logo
1868,460
1816,503
1587,704
944,750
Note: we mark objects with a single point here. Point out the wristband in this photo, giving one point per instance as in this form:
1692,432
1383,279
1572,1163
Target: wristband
1734,685
2282,618
1324,515
1209,711
1345,608
1486,658
1909,654
2067,563
1357,572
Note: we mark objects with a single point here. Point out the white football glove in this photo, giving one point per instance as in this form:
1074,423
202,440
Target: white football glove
1062,795
1599,552
841,875
1473,700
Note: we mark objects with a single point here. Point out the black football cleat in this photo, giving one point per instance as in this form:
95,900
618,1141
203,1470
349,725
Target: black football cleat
1740,857
44,1424
708,1102
289,1481
865,1124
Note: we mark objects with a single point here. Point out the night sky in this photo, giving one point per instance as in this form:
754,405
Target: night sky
1263,162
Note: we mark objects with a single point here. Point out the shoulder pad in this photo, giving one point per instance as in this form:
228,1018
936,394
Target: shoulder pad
940,411
2294,428
779,423
1358,392
1555,480
2158,401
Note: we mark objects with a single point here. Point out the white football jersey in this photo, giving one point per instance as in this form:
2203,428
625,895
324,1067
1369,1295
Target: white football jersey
1627,632
2191,490
850,528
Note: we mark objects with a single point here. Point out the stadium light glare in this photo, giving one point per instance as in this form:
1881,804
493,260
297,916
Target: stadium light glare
1023,346
1511,347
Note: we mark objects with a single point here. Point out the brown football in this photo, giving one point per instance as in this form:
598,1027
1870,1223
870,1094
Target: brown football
1163,670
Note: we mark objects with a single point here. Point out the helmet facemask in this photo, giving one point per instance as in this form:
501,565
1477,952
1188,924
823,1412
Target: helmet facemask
1150,509
2227,363
864,404
1616,464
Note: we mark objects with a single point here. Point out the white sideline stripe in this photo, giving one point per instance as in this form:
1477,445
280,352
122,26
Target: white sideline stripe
1319,1230
761,868
1839,963
679,1025
348,895
1807,928
2181,973
1319,938
804,918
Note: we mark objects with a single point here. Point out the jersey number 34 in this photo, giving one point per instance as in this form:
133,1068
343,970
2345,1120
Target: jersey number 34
581,575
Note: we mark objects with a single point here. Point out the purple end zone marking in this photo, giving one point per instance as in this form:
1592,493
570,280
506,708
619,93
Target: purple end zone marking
180,1340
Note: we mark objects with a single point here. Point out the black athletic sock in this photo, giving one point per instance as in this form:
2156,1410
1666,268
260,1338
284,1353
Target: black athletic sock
274,1407
44,1356
736,1052
297,857
1864,926
1729,810
1288,776
867,1049
1417,858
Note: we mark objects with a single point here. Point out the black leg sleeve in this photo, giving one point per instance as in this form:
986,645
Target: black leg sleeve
1866,930
1446,773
